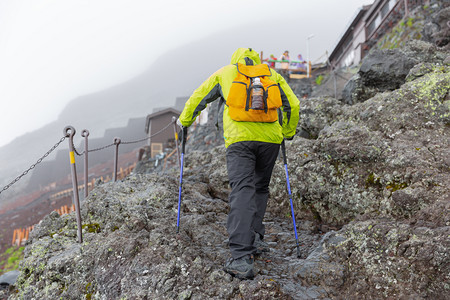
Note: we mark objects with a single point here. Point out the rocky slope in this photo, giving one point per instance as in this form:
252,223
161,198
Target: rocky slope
371,191
380,169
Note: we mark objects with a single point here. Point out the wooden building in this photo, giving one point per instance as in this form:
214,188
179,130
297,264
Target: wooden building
160,130
350,48
368,26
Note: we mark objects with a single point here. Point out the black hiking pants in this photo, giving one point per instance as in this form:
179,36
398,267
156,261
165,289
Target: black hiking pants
250,166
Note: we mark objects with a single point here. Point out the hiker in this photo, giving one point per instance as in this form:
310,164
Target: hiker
299,66
252,138
285,61
271,61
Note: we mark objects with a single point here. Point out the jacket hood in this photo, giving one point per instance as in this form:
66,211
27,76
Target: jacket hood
240,54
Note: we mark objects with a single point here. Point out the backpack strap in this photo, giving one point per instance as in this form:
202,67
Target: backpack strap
247,101
265,96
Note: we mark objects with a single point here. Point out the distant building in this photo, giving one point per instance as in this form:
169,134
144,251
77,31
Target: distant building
160,117
350,48
160,130
368,26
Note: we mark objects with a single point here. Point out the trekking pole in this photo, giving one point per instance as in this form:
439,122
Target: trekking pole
283,149
183,144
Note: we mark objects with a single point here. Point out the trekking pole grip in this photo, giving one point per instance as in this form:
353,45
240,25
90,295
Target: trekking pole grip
183,139
283,150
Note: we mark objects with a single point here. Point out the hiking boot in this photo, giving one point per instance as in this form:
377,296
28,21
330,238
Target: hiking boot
260,245
241,268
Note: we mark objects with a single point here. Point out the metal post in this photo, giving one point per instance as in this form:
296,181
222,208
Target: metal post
117,141
69,132
335,85
307,53
176,139
85,134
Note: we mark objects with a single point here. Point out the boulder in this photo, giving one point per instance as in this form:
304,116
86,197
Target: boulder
387,70
9,278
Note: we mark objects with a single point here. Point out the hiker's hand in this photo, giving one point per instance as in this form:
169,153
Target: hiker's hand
290,138
179,123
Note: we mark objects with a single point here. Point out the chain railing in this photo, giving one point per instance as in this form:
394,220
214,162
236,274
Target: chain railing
33,165
92,150
69,132
125,143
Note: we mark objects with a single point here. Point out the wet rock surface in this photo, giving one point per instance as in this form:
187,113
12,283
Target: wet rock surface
370,185
437,28
131,248
387,70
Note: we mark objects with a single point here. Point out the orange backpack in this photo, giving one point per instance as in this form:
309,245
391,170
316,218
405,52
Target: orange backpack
239,97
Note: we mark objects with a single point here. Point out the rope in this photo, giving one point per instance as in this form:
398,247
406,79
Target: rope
126,143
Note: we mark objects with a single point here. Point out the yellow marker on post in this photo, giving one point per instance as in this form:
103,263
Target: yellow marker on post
72,157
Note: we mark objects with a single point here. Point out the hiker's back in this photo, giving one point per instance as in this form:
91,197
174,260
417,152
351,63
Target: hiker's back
242,119
250,81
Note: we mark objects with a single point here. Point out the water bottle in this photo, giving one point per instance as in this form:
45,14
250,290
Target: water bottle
257,94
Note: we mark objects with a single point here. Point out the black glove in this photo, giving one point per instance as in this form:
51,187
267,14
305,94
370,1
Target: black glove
290,138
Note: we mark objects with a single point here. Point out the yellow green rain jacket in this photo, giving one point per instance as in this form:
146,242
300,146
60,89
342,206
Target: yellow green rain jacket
219,84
